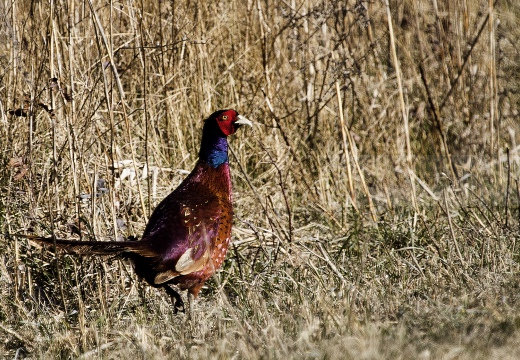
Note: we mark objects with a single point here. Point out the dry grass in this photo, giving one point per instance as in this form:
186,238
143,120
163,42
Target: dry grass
376,201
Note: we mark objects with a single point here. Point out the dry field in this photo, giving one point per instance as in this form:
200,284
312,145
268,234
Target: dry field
376,198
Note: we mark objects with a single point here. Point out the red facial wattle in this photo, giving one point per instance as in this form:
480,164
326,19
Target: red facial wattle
226,121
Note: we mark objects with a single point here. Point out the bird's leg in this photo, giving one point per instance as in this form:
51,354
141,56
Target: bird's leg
191,300
178,304
192,294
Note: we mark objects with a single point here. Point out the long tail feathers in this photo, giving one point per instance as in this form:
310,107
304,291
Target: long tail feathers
93,247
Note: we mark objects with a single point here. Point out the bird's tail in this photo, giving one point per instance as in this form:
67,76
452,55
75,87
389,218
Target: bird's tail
123,248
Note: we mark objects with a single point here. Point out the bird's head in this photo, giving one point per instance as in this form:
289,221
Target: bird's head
228,121
214,145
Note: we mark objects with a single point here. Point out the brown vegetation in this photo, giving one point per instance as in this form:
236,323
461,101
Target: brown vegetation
376,199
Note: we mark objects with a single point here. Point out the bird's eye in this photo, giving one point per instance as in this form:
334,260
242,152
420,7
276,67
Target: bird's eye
224,117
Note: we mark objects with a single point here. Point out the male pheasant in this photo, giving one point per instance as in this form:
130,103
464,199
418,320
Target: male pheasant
188,234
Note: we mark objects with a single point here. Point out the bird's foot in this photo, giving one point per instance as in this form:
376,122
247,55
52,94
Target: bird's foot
178,304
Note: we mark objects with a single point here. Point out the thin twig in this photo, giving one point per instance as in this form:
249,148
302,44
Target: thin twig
404,114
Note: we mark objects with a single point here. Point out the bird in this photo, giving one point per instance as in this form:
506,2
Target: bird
187,235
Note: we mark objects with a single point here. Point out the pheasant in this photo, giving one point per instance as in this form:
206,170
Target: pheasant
187,236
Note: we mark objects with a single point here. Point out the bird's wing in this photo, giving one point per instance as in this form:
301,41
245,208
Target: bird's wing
182,229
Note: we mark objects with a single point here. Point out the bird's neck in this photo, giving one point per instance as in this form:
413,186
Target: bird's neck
213,149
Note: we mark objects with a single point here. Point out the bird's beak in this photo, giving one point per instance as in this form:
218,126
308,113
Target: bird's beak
241,120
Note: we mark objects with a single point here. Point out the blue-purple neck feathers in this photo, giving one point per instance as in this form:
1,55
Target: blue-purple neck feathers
214,146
